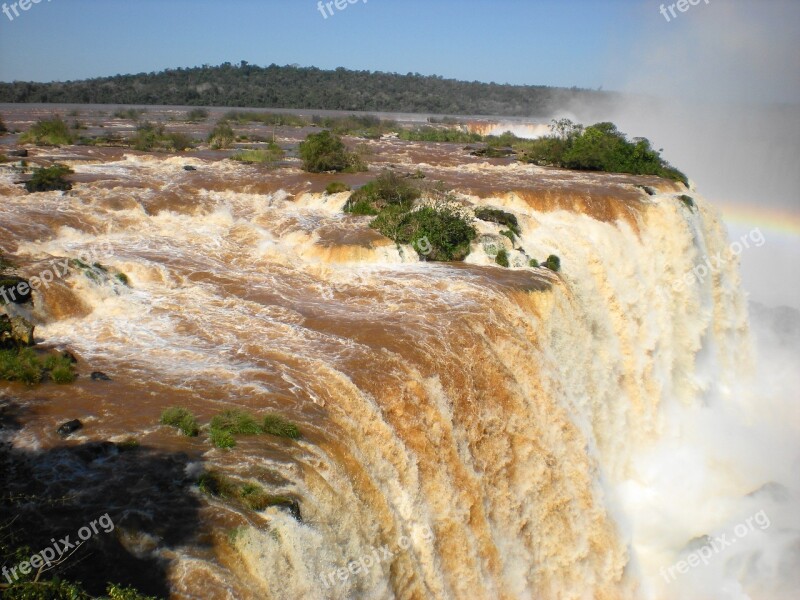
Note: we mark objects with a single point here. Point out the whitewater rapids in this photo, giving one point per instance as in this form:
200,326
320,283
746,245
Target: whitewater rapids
470,431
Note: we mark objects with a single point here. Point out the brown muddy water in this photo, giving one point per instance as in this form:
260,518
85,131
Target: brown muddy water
463,425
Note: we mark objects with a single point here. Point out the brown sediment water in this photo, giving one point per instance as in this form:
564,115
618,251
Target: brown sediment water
475,412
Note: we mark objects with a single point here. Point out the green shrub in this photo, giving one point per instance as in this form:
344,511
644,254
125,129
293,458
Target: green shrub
495,215
150,137
508,234
196,115
271,154
438,233
277,425
389,189
502,258
49,179
221,136
533,263
599,147
688,201
123,279
179,141
48,132
325,151
553,263
181,419
336,187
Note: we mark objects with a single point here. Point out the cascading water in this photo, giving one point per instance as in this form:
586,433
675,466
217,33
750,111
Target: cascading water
469,431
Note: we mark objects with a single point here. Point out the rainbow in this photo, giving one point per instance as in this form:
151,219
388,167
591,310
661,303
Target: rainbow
779,220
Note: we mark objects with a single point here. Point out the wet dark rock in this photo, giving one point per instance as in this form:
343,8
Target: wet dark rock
69,427
17,153
14,290
293,508
189,168
100,376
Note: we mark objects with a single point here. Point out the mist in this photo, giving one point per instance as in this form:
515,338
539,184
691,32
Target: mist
718,88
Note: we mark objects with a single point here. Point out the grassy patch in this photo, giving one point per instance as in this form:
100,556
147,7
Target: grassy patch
277,425
48,132
181,419
229,423
25,366
21,365
249,494
269,155
222,439
440,134
337,187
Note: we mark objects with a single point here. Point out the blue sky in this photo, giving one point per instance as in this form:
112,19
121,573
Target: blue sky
562,42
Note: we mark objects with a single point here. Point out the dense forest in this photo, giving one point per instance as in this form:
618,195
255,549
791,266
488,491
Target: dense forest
246,85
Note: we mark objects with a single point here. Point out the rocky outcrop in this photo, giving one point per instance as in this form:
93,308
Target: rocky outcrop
14,290
15,331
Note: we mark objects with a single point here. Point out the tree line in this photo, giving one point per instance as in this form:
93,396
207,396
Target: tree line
294,87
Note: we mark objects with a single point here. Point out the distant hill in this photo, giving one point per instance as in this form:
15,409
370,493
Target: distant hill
246,85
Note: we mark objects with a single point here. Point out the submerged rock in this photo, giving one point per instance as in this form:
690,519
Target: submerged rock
100,376
69,427
189,168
